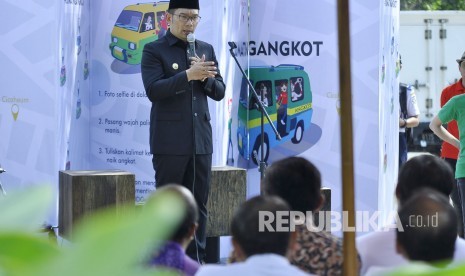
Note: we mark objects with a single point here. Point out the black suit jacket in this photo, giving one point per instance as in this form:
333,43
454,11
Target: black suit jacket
179,118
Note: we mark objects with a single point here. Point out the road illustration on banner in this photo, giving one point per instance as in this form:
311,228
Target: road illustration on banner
136,26
287,97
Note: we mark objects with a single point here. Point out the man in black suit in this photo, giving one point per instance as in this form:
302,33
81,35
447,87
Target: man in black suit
177,82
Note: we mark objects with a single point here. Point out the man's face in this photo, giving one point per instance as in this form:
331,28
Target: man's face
178,26
462,69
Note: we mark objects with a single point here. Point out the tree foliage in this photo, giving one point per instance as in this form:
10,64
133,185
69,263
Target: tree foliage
432,5
108,242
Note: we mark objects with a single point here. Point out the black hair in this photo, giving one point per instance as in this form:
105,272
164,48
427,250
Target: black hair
429,227
245,227
424,171
296,180
191,213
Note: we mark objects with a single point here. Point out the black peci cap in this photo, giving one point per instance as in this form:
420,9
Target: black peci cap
461,59
184,4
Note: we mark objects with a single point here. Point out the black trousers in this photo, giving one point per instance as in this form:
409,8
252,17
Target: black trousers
460,191
402,148
194,174
458,197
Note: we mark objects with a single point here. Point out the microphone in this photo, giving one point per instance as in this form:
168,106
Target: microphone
191,40
232,44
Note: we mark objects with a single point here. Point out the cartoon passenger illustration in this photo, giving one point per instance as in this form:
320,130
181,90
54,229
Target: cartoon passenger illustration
230,160
86,66
148,23
297,89
78,104
163,25
63,68
78,38
264,94
282,101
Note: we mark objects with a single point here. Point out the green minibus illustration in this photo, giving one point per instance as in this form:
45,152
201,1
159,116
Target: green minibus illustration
287,97
136,26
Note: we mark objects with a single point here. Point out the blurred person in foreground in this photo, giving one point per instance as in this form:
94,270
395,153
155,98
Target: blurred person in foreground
426,235
172,253
298,182
260,250
429,229
378,249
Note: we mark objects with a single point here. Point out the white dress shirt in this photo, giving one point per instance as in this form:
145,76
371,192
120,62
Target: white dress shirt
262,264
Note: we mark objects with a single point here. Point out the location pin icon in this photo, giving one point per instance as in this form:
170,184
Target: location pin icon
15,111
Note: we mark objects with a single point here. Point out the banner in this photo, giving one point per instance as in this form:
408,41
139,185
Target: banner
389,106
73,87
294,54
28,114
73,96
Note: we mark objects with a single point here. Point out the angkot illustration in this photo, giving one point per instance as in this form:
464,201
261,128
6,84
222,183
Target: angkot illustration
287,97
63,68
230,152
86,66
398,65
136,26
68,162
78,38
383,70
78,104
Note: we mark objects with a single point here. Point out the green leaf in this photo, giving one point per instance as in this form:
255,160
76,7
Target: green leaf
117,241
20,253
421,269
25,210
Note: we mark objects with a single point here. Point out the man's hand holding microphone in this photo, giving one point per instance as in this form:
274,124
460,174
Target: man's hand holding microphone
200,69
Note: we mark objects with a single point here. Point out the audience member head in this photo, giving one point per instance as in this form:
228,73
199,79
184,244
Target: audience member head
247,237
429,225
424,171
297,181
184,233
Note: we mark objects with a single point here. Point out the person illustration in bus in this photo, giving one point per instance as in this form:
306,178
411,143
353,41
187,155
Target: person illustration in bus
297,89
282,101
148,24
163,26
263,93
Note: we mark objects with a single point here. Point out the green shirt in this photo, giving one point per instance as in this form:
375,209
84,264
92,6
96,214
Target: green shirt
454,109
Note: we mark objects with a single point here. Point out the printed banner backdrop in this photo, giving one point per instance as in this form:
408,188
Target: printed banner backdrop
74,81
29,78
293,47
70,102
389,106
236,29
